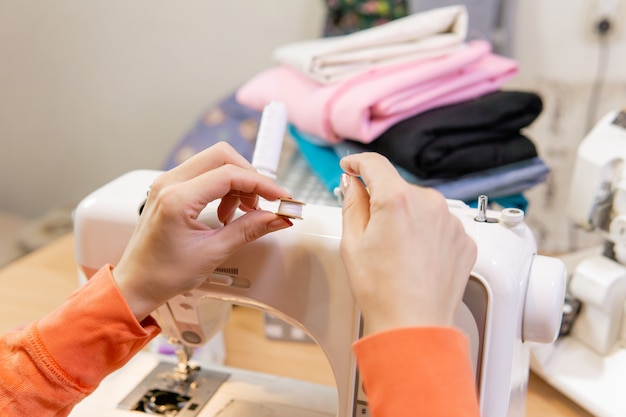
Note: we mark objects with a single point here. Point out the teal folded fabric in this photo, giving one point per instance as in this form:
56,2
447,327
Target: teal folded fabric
323,160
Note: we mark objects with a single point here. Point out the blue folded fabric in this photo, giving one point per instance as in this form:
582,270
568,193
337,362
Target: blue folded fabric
498,182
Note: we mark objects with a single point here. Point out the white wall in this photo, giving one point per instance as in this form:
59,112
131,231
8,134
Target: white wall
92,89
554,40
559,59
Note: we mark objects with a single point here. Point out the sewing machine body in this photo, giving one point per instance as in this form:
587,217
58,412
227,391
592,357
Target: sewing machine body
513,297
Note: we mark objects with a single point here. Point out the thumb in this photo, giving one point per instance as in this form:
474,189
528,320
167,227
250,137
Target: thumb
356,206
250,227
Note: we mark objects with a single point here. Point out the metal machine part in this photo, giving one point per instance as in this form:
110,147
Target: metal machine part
483,204
163,392
571,309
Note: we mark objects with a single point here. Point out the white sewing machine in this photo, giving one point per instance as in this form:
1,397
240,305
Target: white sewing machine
513,297
589,364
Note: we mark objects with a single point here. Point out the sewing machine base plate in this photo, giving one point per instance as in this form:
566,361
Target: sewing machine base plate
242,393
158,393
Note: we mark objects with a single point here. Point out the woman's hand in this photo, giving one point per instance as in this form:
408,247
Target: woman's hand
171,251
407,257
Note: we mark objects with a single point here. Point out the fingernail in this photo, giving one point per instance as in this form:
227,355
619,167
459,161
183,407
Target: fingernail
279,223
345,181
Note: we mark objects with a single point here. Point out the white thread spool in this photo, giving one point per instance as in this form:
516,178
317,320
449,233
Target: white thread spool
269,140
290,208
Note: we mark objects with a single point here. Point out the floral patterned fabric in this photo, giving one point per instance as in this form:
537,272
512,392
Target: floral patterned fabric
347,16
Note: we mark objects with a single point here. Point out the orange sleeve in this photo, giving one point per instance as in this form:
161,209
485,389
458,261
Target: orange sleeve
417,371
50,365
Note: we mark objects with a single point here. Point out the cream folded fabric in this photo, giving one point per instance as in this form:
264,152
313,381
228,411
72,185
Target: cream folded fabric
428,34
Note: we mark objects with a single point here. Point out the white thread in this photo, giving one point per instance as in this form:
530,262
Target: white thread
269,140
290,208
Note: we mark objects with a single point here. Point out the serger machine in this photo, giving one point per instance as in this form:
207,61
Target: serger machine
514,297
588,363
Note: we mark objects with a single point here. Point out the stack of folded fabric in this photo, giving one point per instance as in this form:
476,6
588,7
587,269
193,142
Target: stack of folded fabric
357,86
415,90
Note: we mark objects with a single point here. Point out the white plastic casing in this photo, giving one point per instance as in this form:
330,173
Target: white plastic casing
600,284
544,300
599,163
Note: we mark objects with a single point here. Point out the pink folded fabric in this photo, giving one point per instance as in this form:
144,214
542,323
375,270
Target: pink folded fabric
364,106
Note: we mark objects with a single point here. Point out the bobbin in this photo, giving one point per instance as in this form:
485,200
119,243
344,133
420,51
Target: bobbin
290,208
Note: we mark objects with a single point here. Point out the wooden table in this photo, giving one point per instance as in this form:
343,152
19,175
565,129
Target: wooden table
39,281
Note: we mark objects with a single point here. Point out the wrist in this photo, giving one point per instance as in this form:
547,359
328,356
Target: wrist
382,322
136,298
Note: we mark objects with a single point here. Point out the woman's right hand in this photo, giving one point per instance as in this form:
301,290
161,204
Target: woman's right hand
407,257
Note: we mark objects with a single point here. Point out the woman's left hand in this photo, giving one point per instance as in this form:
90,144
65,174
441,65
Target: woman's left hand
171,251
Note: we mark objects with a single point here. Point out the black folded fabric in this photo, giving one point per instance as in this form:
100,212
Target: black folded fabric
463,138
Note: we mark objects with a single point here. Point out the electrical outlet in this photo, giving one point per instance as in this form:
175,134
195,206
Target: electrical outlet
604,19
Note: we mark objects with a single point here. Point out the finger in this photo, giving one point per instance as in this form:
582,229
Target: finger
197,192
356,207
375,170
248,201
248,228
227,208
215,156
234,200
